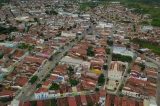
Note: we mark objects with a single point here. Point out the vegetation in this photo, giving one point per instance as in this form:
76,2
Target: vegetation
33,79
53,102
96,89
156,22
121,87
90,104
105,67
90,51
146,44
146,7
51,12
110,42
73,82
121,58
101,80
38,85
129,71
33,103
25,46
58,35
8,30
87,5
5,100
71,70
108,50
54,86
142,66
3,1
1,55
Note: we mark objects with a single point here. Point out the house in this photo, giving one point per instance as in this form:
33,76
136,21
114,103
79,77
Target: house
41,93
72,101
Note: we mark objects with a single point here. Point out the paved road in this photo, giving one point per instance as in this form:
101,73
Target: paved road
158,79
29,89
58,95
11,68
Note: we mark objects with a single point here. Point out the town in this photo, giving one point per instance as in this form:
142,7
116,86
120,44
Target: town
77,53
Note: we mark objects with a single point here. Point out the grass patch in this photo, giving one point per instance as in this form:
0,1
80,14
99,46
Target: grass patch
155,48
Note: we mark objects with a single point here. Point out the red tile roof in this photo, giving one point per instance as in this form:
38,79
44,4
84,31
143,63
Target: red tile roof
40,103
140,103
6,93
27,104
72,101
83,100
116,100
108,101
102,93
151,73
132,103
33,59
18,53
41,90
21,81
46,83
124,101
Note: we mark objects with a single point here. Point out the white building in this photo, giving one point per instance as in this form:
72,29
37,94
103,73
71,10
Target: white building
68,34
123,51
115,72
75,62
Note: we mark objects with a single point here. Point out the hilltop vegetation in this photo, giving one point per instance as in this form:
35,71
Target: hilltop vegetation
151,7
2,2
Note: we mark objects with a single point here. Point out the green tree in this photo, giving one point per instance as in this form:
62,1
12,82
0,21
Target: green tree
101,80
142,66
105,67
1,55
96,89
71,70
38,85
73,82
54,86
33,79
90,51
110,42
121,58
108,50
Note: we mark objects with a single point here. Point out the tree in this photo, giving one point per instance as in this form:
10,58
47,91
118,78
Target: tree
33,79
129,71
122,58
38,85
54,86
71,70
142,66
22,46
105,67
134,28
90,51
73,82
110,42
90,104
8,30
58,35
101,80
1,55
51,12
30,48
96,89
121,87
108,50
36,19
